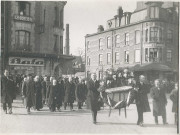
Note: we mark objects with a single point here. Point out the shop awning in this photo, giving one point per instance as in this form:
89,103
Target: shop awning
154,67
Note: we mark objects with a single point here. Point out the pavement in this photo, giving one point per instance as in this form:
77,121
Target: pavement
80,121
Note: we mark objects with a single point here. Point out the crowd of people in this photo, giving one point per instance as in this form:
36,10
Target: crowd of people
37,92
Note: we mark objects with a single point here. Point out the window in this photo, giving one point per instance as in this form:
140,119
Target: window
23,8
137,37
137,55
22,39
146,35
117,40
155,34
108,42
146,55
56,15
160,34
100,59
56,43
108,58
169,35
153,54
87,45
117,58
127,56
127,39
169,55
88,60
101,43
154,12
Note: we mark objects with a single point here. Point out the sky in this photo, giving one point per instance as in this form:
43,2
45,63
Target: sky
84,16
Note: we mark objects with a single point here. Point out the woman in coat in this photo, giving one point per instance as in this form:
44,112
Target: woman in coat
93,96
38,94
174,98
159,102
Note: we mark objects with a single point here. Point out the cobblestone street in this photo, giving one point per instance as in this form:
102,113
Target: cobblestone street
79,121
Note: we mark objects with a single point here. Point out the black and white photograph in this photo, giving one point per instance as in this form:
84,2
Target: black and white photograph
89,67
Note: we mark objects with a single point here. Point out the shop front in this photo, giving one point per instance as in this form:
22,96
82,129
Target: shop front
23,65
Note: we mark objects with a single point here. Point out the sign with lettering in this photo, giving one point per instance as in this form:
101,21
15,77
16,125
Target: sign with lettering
23,18
26,61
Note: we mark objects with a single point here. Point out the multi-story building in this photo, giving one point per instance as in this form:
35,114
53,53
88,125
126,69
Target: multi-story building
32,37
147,35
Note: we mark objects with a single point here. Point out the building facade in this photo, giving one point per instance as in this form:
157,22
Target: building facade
147,35
32,37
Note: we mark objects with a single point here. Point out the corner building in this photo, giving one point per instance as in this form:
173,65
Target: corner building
32,37
147,35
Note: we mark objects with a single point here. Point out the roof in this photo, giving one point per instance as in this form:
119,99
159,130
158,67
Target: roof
153,66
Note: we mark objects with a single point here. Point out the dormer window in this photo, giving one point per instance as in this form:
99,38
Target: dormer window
24,8
154,12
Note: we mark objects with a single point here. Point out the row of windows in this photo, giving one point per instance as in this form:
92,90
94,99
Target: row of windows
155,35
151,55
22,40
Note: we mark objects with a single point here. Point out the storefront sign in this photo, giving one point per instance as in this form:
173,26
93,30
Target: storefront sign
26,61
23,18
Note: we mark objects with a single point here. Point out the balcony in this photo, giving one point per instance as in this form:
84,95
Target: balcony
21,48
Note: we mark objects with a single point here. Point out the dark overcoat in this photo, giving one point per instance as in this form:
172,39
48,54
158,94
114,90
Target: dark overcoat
43,84
93,95
59,93
69,92
159,101
7,90
174,98
114,83
52,95
142,98
29,93
38,94
79,92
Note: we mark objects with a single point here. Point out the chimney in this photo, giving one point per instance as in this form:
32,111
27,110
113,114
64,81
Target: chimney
100,28
120,14
67,40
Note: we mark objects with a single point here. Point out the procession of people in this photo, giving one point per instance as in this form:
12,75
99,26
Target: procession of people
59,93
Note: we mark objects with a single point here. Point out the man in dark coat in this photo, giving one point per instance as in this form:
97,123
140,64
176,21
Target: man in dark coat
93,96
38,94
142,102
174,98
7,92
79,93
29,93
159,102
114,82
59,94
43,84
52,99
69,93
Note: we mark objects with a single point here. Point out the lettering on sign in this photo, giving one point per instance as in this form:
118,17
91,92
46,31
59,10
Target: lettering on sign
26,61
23,18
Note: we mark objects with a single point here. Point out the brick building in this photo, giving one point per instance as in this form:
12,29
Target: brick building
147,35
32,37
